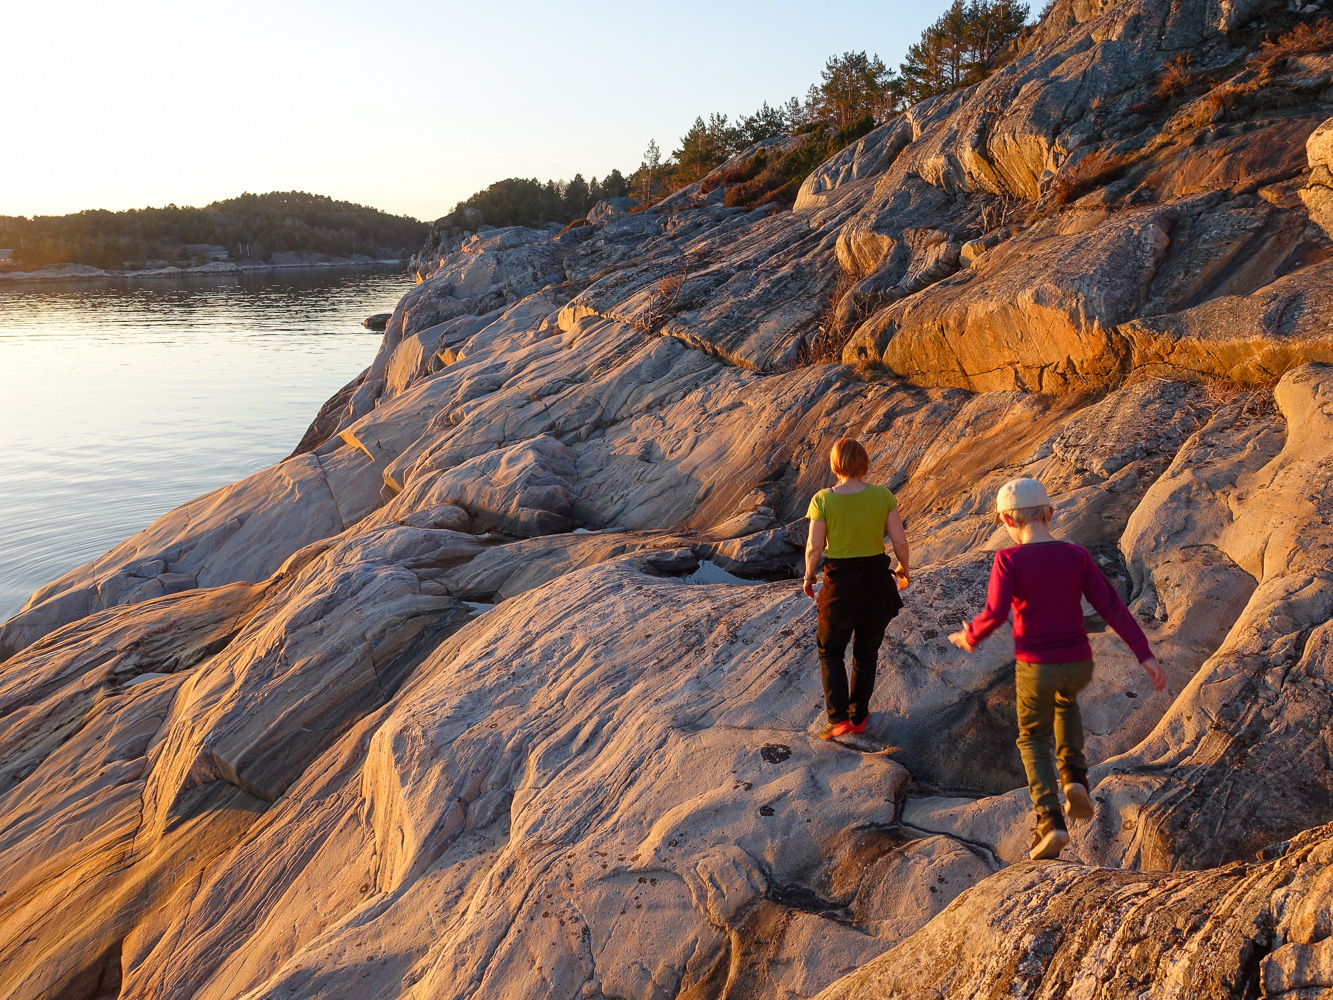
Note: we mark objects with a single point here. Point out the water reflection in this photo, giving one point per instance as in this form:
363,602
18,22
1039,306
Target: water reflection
119,401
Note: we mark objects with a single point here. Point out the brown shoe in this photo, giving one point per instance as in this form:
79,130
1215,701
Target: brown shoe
1078,804
1050,838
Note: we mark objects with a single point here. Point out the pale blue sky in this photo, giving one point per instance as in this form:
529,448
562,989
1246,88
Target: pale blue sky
407,106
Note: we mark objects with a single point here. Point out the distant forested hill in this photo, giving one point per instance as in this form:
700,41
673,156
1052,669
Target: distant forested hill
253,225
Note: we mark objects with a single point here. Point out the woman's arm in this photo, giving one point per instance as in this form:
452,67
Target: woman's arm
898,537
814,555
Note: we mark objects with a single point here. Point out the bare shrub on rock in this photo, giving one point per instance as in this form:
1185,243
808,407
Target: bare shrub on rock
1096,169
826,345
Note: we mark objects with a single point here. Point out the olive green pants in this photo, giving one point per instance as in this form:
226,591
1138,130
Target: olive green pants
1048,707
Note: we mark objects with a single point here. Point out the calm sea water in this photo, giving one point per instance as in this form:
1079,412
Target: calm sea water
119,402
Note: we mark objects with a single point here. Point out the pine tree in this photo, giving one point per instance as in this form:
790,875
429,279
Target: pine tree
795,114
854,85
993,24
705,146
766,123
615,185
963,47
576,197
649,172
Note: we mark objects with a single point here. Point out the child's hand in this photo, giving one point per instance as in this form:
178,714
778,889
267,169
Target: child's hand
959,639
1155,673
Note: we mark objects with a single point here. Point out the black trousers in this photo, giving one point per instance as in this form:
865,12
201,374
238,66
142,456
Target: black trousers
849,703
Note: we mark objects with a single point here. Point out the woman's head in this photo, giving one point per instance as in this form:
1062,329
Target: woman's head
848,459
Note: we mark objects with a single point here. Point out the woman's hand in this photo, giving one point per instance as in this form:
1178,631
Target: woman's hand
959,639
898,536
808,586
1155,673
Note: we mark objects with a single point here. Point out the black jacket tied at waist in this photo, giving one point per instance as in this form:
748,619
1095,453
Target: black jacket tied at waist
858,591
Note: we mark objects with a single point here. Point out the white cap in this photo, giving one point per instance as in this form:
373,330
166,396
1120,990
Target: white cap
1020,493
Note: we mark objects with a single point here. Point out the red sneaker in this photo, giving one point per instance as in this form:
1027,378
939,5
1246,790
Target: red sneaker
835,729
857,727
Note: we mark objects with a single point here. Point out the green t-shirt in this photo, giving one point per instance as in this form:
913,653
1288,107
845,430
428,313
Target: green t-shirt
854,521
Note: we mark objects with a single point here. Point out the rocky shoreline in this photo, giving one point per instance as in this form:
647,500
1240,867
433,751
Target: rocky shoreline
271,746
85,272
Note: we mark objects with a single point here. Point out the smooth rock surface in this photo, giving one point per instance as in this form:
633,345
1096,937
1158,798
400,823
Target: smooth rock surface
265,749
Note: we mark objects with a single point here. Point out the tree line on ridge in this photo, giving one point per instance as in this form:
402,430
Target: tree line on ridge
856,92
251,226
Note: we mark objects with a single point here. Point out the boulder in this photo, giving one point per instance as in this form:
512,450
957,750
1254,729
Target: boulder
1058,930
1037,312
1318,191
610,208
524,490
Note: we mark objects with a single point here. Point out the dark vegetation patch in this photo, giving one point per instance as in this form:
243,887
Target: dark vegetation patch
777,177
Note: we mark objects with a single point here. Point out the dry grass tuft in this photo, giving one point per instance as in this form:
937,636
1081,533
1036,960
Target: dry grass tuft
1229,97
1001,211
1176,78
1305,38
827,344
1097,169
664,303
1218,390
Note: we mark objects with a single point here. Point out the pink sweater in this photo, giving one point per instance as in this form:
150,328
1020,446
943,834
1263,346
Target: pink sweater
1043,582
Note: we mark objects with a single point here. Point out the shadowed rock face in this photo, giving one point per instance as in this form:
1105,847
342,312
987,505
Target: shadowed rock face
1055,930
266,748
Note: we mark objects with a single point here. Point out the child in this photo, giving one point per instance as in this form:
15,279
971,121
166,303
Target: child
1043,579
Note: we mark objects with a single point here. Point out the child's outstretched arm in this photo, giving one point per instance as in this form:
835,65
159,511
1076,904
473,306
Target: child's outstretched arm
1107,603
999,601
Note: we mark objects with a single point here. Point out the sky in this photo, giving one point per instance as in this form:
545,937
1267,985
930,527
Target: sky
408,107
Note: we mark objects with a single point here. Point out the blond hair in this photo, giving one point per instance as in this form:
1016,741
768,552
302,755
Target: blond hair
1023,516
849,458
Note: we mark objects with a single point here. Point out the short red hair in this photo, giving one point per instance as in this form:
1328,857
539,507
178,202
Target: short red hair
849,458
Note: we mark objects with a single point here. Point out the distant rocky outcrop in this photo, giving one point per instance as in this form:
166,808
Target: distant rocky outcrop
444,705
609,208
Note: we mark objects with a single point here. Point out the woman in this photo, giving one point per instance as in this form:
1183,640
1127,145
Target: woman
860,594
